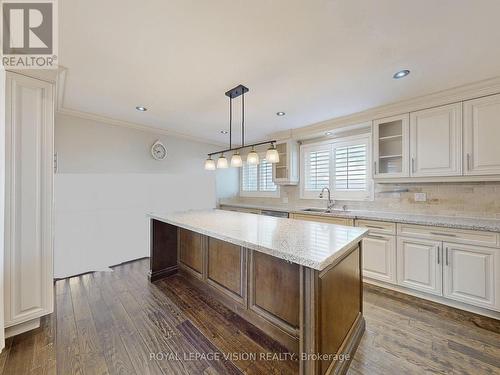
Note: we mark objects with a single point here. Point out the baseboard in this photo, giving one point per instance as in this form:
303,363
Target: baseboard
22,327
436,299
158,275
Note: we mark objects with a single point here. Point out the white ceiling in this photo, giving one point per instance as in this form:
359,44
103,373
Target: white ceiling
315,60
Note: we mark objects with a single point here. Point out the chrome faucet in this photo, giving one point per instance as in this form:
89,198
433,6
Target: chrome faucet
331,202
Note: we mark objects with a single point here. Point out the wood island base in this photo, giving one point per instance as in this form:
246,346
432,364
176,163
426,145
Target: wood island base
315,314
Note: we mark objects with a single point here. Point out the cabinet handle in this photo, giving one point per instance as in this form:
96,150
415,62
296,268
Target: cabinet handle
468,161
412,165
446,255
444,234
375,167
375,236
373,226
439,257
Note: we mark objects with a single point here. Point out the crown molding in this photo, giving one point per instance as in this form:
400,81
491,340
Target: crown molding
465,92
132,125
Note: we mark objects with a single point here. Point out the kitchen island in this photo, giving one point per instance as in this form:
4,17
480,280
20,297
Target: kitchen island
300,282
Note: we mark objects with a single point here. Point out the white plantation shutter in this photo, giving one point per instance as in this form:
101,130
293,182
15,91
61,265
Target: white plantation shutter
266,182
257,180
317,169
350,167
342,165
249,177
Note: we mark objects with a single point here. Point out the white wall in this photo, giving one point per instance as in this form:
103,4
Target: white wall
106,183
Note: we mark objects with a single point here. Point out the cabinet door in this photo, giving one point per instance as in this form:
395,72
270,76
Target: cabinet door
391,147
471,275
436,141
481,135
419,265
379,257
28,225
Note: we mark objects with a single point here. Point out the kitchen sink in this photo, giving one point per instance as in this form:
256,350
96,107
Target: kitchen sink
314,210
324,211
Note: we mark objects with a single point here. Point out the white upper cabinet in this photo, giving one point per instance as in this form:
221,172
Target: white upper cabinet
482,135
436,141
29,132
391,147
286,171
471,275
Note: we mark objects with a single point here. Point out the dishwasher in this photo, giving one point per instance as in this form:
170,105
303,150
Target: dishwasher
274,213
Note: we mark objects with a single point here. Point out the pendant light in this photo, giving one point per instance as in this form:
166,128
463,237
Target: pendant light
252,157
236,160
222,162
272,155
210,164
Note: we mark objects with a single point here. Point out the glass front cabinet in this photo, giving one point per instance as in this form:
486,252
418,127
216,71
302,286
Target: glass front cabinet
391,147
286,171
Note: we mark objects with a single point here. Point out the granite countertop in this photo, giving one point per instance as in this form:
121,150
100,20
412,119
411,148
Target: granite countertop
457,222
308,243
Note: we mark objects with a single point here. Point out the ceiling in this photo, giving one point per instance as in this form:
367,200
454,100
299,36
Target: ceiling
314,60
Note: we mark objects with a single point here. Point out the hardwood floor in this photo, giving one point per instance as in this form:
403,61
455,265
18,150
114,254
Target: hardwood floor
119,323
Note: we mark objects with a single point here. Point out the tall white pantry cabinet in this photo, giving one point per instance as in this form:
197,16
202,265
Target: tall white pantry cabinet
29,169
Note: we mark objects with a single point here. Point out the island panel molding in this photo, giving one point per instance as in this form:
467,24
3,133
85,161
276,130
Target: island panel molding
308,311
191,251
226,268
269,274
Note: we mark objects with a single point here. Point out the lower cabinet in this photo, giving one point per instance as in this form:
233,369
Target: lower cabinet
379,257
471,275
419,264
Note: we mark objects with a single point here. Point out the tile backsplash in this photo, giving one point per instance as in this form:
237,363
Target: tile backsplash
481,199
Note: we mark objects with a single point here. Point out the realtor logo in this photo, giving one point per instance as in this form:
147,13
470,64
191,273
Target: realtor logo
29,34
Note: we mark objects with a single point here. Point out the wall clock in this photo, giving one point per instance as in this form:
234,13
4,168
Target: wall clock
158,150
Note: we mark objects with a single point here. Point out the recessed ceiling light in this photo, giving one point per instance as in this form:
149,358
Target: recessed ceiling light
401,74
328,133
223,131
280,113
141,108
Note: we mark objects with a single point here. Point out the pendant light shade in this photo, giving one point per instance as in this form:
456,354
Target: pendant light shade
236,160
210,164
222,162
252,158
272,155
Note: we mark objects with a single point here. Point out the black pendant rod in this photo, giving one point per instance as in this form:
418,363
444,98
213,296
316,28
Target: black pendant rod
239,148
230,122
243,119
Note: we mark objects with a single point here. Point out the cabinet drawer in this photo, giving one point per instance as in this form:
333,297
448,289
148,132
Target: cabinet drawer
324,219
449,234
383,227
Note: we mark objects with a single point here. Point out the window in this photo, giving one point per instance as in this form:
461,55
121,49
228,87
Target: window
350,167
257,180
317,168
342,164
